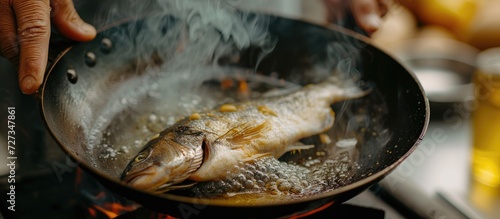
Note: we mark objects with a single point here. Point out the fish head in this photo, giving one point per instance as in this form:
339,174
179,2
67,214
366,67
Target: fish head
164,161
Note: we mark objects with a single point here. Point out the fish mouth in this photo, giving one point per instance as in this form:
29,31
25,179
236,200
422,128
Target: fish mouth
132,178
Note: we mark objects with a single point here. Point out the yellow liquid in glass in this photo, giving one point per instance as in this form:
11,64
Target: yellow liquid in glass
486,130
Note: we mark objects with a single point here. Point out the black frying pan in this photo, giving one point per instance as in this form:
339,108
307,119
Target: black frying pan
96,92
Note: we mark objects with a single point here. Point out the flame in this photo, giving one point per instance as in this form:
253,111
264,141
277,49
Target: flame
109,214
111,210
116,207
104,203
92,212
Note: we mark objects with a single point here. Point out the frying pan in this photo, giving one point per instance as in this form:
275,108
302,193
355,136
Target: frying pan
95,93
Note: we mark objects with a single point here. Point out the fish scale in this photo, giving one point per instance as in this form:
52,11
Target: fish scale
270,176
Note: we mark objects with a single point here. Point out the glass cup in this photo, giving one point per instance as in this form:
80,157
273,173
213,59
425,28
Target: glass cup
485,186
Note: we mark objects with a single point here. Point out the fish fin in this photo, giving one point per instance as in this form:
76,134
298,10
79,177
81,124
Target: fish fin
183,186
200,152
242,135
297,146
168,187
193,166
256,156
334,89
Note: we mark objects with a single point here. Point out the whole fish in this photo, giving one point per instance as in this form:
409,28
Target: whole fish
207,145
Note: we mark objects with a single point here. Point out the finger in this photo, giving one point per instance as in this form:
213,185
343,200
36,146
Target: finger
383,6
69,23
366,14
33,30
9,48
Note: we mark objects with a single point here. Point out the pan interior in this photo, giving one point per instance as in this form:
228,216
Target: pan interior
331,164
120,101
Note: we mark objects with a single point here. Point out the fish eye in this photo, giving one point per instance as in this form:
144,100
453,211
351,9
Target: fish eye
141,156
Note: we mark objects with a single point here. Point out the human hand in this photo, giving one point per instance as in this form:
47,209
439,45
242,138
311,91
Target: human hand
25,33
368,14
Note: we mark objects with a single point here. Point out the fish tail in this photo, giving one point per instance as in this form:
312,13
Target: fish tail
333,90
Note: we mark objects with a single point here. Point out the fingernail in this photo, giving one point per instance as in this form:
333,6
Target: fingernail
28,84
87,28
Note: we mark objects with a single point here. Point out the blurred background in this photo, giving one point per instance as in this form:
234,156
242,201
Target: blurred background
439,40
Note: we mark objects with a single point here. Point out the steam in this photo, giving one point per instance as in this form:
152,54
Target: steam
201,31
188,37
165,50
179,44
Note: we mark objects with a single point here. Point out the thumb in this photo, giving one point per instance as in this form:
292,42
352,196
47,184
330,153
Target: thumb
366,14
68,22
